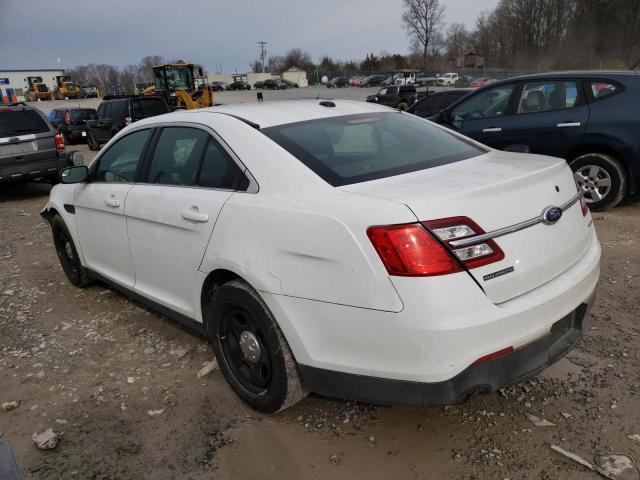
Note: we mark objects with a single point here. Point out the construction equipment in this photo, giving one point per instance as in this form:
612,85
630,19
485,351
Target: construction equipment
65,88
176,82
37,90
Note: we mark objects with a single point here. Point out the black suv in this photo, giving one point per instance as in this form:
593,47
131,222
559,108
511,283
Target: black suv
239,85
338,82
274,84
396,96
432,103
118,111
30,148
587,118
71,122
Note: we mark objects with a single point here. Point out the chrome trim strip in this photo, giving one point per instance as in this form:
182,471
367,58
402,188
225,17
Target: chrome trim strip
513,228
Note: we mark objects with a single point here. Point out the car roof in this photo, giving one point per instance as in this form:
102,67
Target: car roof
268,114
573,73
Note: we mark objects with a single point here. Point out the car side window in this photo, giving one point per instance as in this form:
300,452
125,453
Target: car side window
383,91
120,161
218,170
547,96
602,88
177,156
487,104
107,110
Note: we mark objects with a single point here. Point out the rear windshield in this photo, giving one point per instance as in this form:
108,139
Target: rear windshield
42,87
21,122
82,114
358,148
149,107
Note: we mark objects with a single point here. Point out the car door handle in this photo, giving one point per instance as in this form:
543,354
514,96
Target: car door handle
568,124
492,130
112,202
193,214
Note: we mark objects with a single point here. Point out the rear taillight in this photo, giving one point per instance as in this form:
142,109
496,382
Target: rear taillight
59,142
425,249
67,118
583,202
411,251
476,254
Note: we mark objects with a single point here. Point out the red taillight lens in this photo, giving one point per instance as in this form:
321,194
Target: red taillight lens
59,142
67,118
411,251
457,228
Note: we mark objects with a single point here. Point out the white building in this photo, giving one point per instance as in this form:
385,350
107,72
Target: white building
17,79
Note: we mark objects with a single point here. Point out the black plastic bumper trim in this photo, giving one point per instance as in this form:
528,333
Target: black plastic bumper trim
489,376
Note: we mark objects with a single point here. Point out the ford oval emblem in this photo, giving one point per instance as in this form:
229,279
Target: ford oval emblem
551,215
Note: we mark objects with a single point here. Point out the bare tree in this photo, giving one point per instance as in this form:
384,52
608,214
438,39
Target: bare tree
146,64
256,66
422,19
457,39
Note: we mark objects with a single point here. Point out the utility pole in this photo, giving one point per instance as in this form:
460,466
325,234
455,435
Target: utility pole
263,53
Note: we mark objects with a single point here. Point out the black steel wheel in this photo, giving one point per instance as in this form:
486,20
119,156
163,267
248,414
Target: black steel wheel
251,351
67,253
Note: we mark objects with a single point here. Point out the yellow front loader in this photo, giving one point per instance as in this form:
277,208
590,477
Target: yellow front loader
176,82
65,88
37,90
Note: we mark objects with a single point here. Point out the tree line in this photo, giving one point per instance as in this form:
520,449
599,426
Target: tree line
531,34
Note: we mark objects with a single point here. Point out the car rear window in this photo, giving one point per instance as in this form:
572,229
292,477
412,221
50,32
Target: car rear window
149,107
82,114
357,148
21,122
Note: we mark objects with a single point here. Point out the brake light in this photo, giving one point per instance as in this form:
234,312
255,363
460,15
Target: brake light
59,142
583,202
457,228
411,251
67,118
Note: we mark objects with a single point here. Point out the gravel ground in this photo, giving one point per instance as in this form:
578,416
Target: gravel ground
118,383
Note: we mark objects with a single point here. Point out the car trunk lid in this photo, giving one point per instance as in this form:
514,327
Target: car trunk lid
499,190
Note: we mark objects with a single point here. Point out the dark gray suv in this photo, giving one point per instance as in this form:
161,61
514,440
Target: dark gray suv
30,148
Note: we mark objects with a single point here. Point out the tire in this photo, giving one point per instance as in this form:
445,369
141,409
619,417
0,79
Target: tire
237,317
68,254
603,180
91,142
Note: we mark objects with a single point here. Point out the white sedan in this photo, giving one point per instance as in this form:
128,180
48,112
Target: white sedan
337,247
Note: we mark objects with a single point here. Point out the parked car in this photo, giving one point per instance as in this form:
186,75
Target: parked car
568,115
290,84
387,81
118,111
338,82
219,86
434,102
373,80
239,85
358,201
448,79
30,147
71,122
259,84
480,82
88,91
355,80
274,84
395,96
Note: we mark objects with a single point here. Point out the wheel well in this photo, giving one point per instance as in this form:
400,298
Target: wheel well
214,280
49,214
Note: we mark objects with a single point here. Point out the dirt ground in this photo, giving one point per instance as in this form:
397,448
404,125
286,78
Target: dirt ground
120,383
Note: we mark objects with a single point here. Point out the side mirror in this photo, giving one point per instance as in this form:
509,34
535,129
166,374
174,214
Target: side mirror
75,174
77,158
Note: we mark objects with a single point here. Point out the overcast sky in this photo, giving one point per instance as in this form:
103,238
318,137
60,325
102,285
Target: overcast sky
211,32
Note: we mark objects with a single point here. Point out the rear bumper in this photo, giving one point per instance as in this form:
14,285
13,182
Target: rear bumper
489,376
24,172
